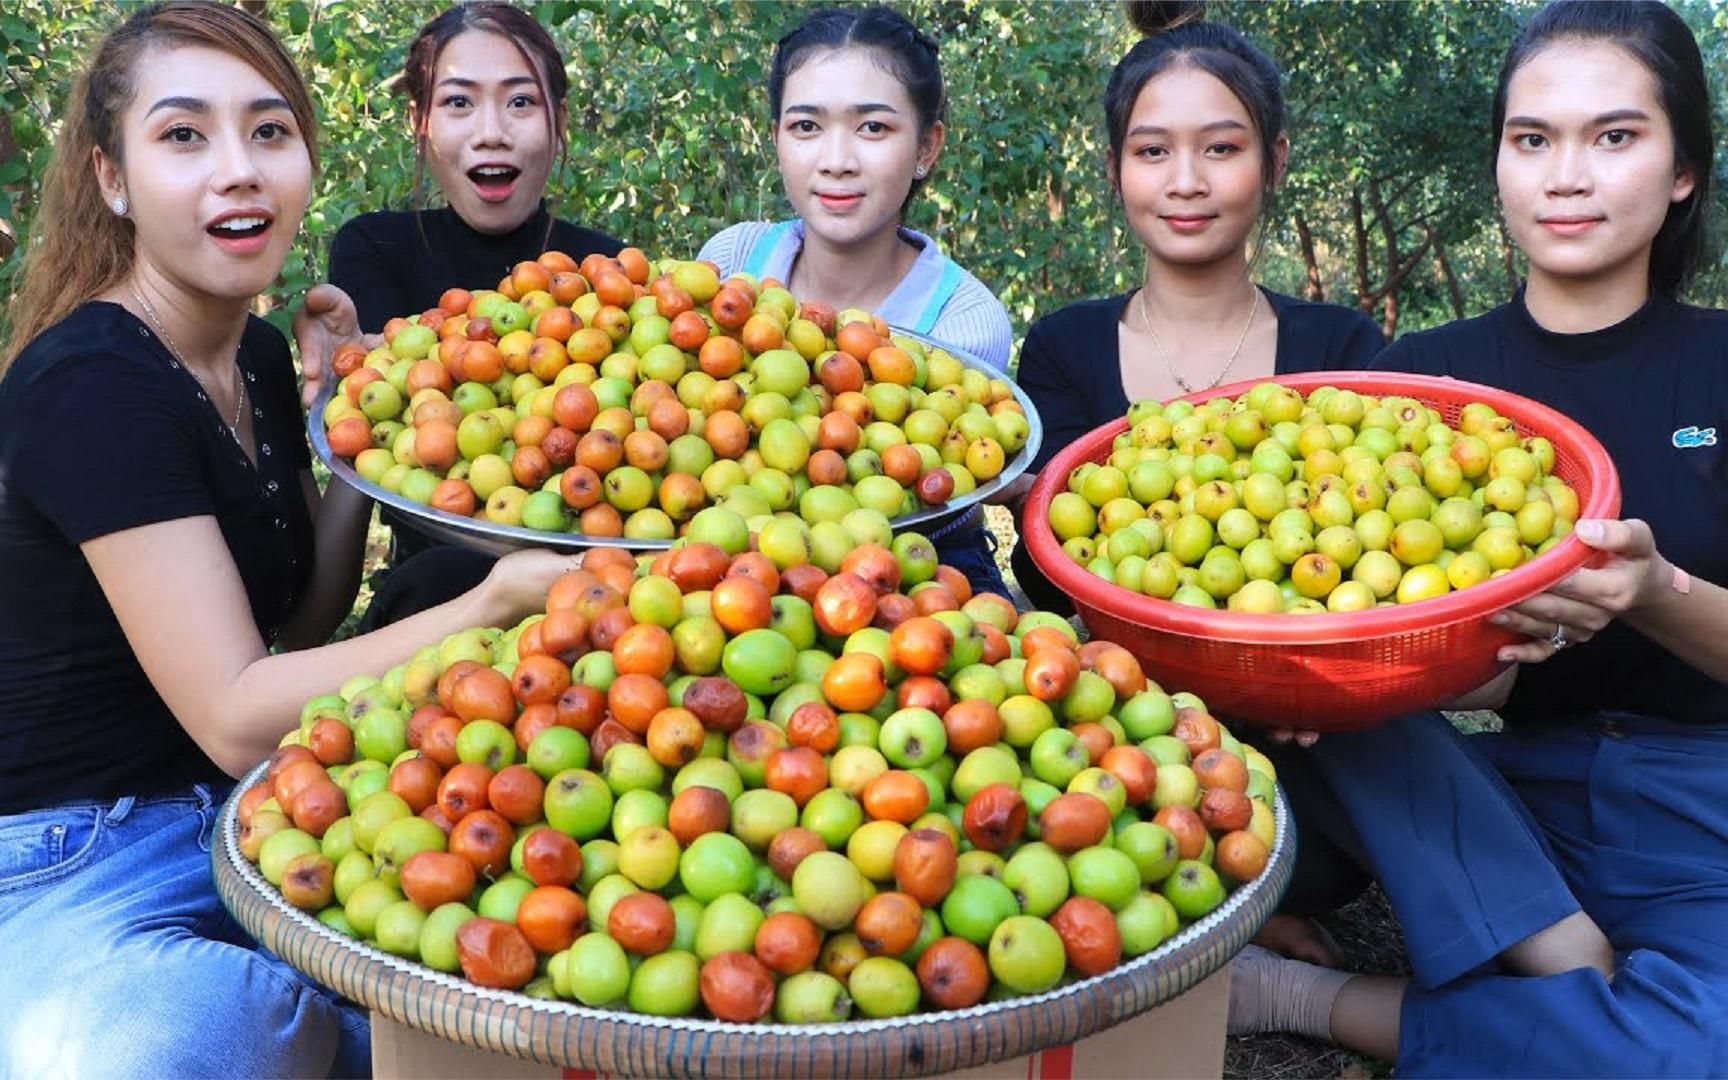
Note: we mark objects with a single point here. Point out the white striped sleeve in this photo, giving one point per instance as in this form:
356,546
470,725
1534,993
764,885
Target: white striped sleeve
976,321
731,246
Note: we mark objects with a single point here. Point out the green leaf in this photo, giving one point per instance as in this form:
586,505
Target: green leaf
15,29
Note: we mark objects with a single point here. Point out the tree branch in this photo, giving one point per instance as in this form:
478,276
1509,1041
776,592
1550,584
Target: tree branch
1389,236
1510,261
1405,190
1421,220
1398,267
1316,289
1454,291
42,113
311,21
1395,279
1359,231
1384,178
1382,218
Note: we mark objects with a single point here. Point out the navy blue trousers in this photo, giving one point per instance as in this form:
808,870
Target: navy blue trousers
1481,841
971,549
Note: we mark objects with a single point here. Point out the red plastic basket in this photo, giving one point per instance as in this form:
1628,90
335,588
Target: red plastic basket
1329,672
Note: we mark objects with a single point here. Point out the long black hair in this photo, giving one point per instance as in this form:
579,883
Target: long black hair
1175,32
1660,40
900,48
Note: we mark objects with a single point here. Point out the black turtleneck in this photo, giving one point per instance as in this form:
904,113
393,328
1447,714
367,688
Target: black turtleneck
399,262
1653,389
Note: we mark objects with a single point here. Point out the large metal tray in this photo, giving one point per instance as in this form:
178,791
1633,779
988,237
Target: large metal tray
500,539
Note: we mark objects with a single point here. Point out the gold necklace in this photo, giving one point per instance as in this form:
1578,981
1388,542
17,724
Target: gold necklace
168,340
1146,320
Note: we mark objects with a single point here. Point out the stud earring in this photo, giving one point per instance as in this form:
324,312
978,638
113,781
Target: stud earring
919,172
119,205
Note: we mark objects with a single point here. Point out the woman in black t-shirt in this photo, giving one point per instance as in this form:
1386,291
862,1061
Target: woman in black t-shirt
1197,146
163,549
1563,885
485,86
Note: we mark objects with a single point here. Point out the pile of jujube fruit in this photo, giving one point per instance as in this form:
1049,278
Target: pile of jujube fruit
713,783
619,397
1339,501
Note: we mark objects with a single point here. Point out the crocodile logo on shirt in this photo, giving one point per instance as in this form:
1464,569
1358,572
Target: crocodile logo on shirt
1688,437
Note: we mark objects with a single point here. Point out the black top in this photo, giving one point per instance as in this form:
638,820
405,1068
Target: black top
101,430
1654,390
1071,367
1071,363
399,262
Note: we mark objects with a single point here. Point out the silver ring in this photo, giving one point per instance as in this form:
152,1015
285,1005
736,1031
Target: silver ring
1558,639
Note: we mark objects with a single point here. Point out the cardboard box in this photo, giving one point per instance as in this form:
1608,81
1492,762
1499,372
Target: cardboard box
1181,1040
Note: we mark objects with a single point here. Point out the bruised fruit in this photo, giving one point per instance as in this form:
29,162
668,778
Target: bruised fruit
954,974
494,954
1090,938
994,818
737,987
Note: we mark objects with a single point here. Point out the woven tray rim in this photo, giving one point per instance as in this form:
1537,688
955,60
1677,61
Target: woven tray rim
1175,966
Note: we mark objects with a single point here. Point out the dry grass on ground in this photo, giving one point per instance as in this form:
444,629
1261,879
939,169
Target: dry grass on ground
1371,943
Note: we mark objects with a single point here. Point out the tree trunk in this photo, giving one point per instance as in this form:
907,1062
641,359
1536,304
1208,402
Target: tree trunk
1359,231
1389,317
1316,289
1398,266
1509,258
1454,291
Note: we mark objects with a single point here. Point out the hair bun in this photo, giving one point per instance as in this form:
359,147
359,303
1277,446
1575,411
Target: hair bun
1154,17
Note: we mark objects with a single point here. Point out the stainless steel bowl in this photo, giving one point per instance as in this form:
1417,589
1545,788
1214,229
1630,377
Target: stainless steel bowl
499,539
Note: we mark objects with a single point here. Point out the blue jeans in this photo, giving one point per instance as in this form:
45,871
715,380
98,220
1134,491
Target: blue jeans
118,959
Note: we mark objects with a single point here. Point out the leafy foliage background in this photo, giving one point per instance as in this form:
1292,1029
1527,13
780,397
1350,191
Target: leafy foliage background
1389,203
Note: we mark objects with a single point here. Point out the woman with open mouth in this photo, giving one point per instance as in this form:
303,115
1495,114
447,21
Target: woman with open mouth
858,103
486,87
168,568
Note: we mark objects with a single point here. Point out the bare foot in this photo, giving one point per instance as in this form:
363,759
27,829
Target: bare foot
1299,939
